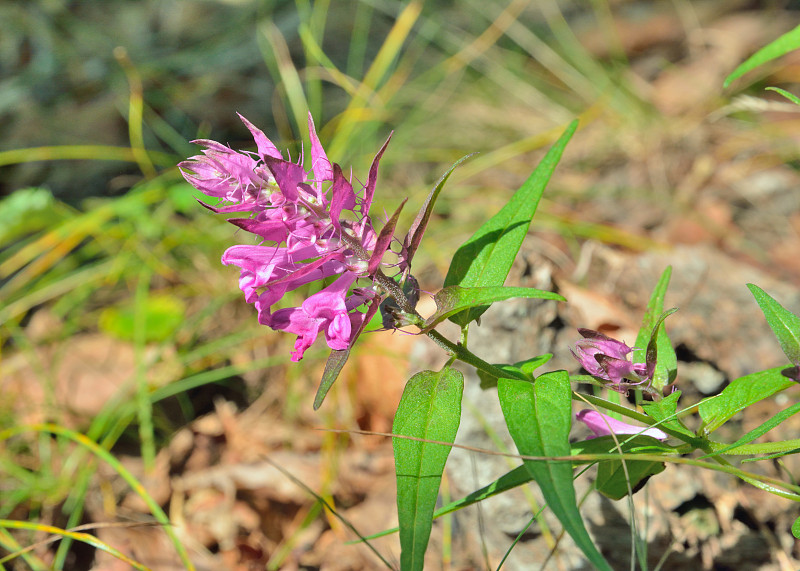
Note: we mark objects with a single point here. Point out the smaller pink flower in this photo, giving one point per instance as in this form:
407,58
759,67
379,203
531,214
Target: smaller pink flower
607,359
603,425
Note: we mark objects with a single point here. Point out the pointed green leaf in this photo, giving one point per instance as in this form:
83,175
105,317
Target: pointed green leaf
790,96
796,528
523,368
614,480
333,366
485,259
757,432
453,299
784,323
430,408
539,416
740,394
653,338
783,45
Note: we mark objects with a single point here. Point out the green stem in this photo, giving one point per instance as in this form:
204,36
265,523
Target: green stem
465,355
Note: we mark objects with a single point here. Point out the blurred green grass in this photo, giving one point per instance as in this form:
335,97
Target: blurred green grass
99,233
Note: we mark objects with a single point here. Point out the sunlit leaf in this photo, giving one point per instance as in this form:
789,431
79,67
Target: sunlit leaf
740,394
485,259
784,323
783,45
453,299
539,416
429,409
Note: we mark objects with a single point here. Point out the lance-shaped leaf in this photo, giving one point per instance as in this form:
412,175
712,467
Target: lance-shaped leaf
453,299
485,259
783,45
666,369
538,416
524,368
740,394
384,239
785,325
420,224
338,357
756,433
430,409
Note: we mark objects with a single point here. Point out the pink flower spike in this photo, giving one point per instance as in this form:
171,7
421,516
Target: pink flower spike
603,425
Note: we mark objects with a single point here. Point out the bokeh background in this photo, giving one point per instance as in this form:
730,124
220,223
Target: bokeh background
119,325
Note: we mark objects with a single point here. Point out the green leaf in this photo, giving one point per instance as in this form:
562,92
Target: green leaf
507,481
485,259
430,409
757,432
522,368
654,338
163,314
333,366
453,299
740,394
539,416
665,411
783,45
796,528
784,323
790,96
615,480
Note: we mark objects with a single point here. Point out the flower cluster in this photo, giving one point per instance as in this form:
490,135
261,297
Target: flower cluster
310,226
607,359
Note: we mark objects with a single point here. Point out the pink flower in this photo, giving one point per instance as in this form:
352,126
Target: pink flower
607,359
310,226
603,425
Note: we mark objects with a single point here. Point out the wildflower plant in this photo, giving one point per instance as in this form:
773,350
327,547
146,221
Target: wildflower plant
311,224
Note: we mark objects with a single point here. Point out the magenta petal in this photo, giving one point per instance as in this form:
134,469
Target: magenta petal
265,147
616,370
324,311
603,425
274,230
369,190
287,175
319,160
342,196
